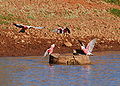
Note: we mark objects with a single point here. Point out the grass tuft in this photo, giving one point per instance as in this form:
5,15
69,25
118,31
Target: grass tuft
115,12
117,2
7,17
4,22
31,17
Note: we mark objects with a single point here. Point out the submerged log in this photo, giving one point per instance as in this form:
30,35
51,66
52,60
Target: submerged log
69,59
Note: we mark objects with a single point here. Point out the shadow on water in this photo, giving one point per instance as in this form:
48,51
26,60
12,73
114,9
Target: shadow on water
35,71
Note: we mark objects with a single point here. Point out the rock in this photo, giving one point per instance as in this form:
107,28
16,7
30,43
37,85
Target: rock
69,59
68,44
15,37
22,41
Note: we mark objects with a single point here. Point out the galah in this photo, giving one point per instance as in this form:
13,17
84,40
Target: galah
49,51
89,48
62,30
25,27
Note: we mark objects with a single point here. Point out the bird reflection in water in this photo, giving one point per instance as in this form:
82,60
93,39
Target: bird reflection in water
52,68
86,70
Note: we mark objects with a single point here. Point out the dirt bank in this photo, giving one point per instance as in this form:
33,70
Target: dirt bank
22,44
87,19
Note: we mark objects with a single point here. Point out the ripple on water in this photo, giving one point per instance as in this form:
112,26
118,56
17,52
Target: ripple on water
35,71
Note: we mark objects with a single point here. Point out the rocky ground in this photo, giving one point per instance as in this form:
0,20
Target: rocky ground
89,20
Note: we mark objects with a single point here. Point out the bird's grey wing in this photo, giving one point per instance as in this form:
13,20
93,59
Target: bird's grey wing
55,30
39,27
90,45
46,53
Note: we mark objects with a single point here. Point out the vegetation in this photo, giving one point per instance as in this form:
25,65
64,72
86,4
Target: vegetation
4,22
115,11
117,2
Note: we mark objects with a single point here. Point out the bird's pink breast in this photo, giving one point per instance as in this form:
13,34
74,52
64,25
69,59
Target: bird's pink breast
25,27
85,51
50,50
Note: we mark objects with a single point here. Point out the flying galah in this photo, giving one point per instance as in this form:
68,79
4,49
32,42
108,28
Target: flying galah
25,27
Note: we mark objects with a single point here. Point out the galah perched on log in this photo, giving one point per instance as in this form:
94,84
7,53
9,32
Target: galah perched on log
25,27
62,30
89,48
50,50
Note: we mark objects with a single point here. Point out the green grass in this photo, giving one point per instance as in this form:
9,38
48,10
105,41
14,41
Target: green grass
77,28
4,22
115,12
6,17
117,2
4,27
31,17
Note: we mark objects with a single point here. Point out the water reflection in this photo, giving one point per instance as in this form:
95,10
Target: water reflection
35,71
70,75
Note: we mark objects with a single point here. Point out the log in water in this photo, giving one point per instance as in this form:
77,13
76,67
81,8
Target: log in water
69,59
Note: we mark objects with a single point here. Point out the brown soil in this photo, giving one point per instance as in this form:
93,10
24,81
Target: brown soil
101,25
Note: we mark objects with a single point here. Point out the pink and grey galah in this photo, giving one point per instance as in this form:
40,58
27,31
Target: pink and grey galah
49,51
89,48
25,27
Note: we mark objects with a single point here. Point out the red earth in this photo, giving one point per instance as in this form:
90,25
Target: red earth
93,21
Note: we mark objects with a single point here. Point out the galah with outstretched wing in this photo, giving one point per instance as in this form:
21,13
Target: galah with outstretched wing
25,27
50,50
89,48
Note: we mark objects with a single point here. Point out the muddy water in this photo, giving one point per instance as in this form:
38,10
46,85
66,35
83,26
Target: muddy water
35,71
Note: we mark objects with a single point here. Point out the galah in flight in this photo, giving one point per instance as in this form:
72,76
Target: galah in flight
49,51
25,27
89,48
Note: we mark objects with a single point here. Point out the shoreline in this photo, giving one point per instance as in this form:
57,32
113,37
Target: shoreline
16,44
86,19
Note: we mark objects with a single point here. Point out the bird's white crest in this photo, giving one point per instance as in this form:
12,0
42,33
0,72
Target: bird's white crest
53,45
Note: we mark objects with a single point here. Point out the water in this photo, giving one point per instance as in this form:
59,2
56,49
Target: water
35,71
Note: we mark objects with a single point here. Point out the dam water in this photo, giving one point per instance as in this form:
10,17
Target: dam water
36,71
